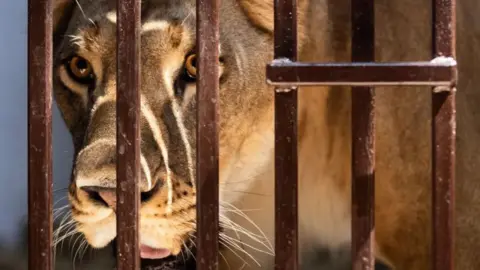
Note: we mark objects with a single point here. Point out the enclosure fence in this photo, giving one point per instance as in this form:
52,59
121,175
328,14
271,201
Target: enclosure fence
286,74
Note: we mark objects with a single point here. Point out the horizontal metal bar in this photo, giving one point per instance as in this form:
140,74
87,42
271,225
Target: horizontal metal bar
439,72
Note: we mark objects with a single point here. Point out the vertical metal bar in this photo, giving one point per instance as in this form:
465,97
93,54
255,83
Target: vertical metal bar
128,133
443,142
363,140
40,135
286,157
207,133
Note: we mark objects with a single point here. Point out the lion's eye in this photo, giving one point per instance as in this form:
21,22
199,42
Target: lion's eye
188,74
191,65
80,70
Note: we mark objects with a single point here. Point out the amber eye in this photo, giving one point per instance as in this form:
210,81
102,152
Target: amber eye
191,65
80,69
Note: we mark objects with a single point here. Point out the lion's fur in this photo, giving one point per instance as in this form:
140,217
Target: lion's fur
403,117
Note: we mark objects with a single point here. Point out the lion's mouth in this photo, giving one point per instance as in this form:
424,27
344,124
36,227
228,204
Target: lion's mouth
147,252
154,259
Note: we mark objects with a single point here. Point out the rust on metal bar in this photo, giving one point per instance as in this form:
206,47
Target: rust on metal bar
443,142
207,133
128,133
40,135
435,73
363,139
286,156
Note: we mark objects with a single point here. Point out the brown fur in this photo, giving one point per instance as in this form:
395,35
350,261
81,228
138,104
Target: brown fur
246,130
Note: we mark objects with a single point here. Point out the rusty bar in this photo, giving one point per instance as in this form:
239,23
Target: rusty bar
363,140
40,135
443,142
362,74
286,157
207,133
128,133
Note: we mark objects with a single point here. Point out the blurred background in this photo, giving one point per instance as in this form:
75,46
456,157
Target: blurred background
13,154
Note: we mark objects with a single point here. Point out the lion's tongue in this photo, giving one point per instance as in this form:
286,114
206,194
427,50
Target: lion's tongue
147,252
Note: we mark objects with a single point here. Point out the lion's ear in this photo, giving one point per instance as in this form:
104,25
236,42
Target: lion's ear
62,11
260,13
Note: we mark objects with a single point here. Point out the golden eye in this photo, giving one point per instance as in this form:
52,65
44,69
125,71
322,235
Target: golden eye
191,65
80,69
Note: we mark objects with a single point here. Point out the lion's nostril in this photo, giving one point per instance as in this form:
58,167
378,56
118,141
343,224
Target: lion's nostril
105,196
110,197
147,195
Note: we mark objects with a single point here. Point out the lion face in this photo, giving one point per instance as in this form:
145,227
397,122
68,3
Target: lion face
85,90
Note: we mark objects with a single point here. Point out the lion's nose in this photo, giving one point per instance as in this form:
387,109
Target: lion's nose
96,167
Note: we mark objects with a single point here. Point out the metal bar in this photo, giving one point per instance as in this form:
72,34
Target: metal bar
40,135
363,140
207,133
128,133
362,74
443,140
286,156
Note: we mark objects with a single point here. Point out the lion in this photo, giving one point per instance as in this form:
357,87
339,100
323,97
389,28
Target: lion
85,91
